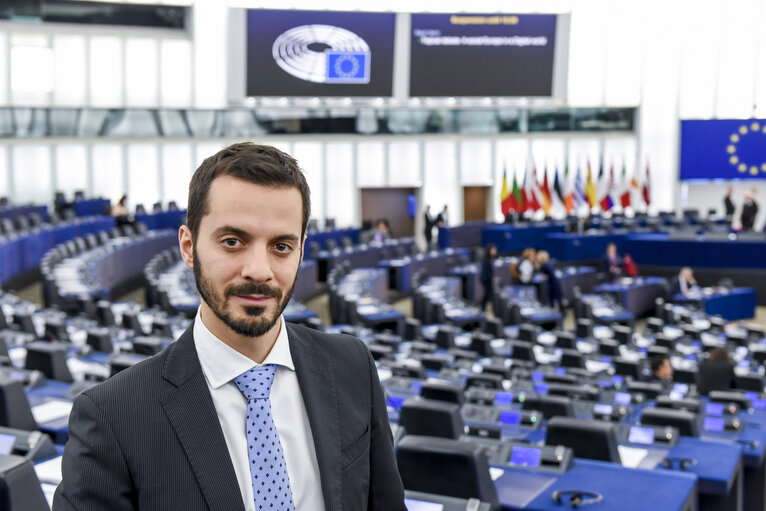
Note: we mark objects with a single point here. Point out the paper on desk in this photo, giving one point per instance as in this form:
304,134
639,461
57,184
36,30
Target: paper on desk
49,471
51,410
495,473
631,457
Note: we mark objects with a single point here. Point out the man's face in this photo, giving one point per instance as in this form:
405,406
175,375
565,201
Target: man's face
246,255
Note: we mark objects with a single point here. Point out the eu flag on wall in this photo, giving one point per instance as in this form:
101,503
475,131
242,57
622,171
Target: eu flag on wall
723,149
348,66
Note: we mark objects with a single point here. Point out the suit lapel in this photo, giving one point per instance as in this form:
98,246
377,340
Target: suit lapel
191,412
317,385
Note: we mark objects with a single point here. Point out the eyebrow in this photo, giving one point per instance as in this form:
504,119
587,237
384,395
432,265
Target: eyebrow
230,229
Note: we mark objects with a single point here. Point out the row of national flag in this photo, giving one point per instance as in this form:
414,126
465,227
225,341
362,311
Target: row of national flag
605,191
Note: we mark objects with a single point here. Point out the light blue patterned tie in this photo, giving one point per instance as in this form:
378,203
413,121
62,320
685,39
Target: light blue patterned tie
268,470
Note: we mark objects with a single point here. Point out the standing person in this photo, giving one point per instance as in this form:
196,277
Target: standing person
612,263
443,217
728,204
429,227
173,432
487,274
554,286
526,268
749,212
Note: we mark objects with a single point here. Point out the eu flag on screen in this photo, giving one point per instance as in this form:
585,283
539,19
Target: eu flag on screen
723,149
348,66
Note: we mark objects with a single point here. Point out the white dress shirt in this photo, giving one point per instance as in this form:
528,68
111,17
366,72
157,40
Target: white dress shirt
220,365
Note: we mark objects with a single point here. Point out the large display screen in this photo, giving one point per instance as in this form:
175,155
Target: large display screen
482,54
319,53
723,149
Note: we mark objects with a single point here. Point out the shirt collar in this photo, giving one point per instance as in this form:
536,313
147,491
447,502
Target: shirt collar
221,363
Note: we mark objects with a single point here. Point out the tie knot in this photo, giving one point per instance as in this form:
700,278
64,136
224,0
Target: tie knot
256,382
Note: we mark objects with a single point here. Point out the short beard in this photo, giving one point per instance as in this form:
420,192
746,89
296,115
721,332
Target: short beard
255,324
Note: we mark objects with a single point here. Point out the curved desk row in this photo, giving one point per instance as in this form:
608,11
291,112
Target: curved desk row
25,251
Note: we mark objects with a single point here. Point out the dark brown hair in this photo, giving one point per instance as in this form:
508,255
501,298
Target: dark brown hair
260,164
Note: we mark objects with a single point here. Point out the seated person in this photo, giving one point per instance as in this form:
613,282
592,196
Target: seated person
629,266
611,265
526,267
717,372
382,232
684,283
120,209
662,371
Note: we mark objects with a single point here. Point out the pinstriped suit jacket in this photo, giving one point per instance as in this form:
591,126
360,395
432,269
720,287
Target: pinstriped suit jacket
149,438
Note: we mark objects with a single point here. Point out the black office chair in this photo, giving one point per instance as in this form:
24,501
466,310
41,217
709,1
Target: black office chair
442,391
463,468
738,398
625,367
521,350
584,328
432,418
481,343
751,382
529,332
572,358
445,337
649,389
485,380
566,340
686,422
15,411
50,359
19,485
550,406
590,439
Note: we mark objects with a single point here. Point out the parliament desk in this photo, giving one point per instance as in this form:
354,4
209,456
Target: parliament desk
53,393
470,275
22,252
15,212
361,256
467,235
512,238
623,489
402,270
91,207
584,277
162,219
637,295
737,303
659,250
579,247
336,235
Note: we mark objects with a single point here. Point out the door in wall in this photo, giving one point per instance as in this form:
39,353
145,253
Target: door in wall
396,205
475,202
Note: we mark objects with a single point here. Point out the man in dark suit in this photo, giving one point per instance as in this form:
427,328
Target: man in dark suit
241,388
749,212
728,204
428,229
684,283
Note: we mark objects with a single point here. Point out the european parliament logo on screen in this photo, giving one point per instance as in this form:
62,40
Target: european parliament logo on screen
723,149
323,54
348,67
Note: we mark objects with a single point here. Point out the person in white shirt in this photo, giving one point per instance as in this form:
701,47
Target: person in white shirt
185,429
527,266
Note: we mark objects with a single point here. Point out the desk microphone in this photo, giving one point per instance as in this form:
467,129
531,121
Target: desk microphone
577,498
682,463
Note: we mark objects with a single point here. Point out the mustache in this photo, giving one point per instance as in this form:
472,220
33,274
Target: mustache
253,289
